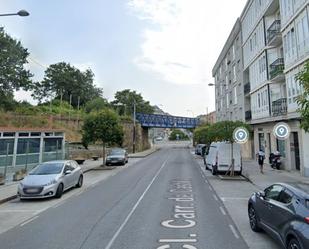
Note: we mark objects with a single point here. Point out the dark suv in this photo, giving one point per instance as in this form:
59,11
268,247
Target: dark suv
282,210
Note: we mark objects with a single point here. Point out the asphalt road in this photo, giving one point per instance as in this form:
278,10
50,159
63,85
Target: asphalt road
160,202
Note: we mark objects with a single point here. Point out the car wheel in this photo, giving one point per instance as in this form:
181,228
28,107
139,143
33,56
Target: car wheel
294,244
80,181
253,219
59,191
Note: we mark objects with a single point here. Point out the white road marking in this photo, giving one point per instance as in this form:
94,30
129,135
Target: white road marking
216,198
222,210
27,221
234,231
210,188
111,242
177,241
59,203
233,198
18,210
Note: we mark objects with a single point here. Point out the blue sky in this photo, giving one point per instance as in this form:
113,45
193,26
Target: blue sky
163,49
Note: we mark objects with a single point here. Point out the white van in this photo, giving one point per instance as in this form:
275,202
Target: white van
219,157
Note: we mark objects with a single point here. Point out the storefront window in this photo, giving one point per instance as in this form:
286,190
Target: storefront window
52,144
281,147
261,142
6,144
26,145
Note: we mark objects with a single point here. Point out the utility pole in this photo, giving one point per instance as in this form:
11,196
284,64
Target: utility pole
134,123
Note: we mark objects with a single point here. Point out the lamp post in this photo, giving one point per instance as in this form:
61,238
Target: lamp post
19,13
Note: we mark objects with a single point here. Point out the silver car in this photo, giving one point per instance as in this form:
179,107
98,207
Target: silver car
50,179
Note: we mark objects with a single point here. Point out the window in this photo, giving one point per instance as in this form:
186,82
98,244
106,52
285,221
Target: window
26,145
281,147
6,145
234,73
52,144
273,192
286,196
9,134
233,52
235,95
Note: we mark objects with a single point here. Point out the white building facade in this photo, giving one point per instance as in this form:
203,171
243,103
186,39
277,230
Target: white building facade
275,46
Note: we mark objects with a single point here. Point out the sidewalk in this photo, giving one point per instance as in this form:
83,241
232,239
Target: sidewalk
8,191
251,171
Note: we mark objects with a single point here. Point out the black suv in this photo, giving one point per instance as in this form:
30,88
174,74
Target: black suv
282,210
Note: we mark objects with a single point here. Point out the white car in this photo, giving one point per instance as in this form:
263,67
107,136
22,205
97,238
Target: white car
50,179
219,158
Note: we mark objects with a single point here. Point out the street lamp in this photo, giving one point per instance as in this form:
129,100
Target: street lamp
19,13
211,84
134,124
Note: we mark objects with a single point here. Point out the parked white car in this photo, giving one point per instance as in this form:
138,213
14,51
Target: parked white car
50,179
219,157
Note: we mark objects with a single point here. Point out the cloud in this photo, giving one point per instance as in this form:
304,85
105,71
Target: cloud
175,43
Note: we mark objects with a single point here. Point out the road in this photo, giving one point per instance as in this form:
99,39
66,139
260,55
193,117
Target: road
162,201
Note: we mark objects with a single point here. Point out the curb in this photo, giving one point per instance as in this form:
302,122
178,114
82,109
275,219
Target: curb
142,156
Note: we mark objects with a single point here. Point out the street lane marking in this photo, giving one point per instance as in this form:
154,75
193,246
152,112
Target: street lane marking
216,198
222,210
234,231
233,198
59,203
111,242
210,188
27,221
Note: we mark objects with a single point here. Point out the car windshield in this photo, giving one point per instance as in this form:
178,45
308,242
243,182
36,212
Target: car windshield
47,169
116,152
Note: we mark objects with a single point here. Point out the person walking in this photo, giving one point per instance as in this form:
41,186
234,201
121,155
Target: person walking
260,156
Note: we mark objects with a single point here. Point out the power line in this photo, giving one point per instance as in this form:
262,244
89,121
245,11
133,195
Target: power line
37,63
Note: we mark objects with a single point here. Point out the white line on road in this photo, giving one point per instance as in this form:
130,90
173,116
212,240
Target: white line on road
210,188
59,203
233,198
216,198
27,221
234,231
111,242
222,211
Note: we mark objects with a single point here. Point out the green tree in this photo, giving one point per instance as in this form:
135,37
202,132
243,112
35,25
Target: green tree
96,104
64,81
104,127
177,134
13,75
124,101
303,99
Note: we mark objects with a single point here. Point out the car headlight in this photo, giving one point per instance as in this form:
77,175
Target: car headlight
50,183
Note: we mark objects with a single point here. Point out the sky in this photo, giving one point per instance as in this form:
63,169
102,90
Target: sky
163,49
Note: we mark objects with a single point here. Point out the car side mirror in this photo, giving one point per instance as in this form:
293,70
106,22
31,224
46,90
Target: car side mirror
67,172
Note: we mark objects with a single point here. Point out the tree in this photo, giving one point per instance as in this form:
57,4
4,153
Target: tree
63,81
96,104
124,101
103,126
303,99
177,134
220,131
13,75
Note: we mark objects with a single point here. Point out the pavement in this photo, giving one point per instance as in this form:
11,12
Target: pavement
8,191
162,201
251,171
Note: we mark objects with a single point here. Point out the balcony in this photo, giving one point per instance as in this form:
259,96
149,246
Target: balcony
273,34
276,70
279,107
248,115
247,88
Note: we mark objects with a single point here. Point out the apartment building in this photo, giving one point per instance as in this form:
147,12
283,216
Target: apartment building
227,73
275,45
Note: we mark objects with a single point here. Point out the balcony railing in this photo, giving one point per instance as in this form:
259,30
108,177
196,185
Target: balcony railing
276,68
248,115
279,107
273,30
247,88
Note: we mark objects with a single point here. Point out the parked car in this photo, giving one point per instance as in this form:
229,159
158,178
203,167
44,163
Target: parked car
159,138
117,156
50,179
219,157
198,149
282,210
